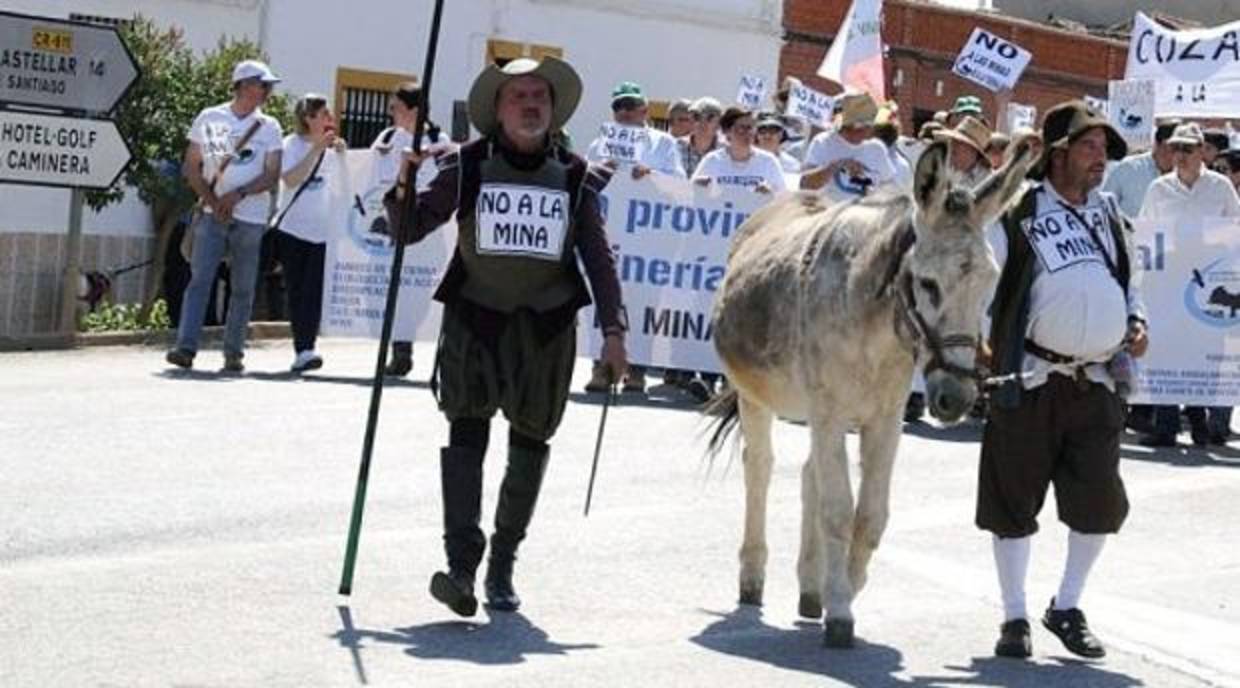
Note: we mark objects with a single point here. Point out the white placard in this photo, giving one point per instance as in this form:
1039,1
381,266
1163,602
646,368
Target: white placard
991,61
1191,288
751,92
47,150
810,105
516,220
624,143
1098,105
1132,111
1021,117
1197,71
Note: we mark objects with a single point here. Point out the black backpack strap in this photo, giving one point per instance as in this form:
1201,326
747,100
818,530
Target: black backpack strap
300,188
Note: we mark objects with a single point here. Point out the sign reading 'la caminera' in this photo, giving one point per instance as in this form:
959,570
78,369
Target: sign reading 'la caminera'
64,65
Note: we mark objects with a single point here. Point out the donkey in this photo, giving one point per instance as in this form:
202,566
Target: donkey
822,316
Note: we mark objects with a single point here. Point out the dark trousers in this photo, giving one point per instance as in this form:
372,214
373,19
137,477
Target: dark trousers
303,276
1201,419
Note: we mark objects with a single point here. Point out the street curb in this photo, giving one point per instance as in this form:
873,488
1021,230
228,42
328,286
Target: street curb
164,338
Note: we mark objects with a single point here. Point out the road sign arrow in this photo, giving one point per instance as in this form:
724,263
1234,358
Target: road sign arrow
60,64
49,150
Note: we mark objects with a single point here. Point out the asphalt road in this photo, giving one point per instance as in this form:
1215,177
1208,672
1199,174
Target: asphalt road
168,529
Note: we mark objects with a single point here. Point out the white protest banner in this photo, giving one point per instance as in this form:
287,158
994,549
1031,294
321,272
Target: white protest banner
671,239
855,58
808,104
751,92
359,260
1132,111
1191,287
1021,117
991,61
1197,71
1099,105
624,143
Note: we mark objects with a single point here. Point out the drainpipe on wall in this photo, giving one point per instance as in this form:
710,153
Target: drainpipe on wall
264,21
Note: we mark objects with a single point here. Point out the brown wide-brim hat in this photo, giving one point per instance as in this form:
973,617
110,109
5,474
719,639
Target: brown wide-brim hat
971,132
1067,122
565,89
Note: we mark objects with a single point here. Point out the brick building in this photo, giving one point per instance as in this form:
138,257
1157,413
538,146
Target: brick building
923,41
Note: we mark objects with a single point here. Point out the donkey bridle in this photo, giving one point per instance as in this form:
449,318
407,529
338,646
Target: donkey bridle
919,330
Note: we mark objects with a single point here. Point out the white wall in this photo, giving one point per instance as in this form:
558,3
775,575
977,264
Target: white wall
203,21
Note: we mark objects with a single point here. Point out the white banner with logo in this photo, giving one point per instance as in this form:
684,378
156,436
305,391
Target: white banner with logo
808,104
991,61
1197,71
671,239
359,262
1192,292
751,92
1131,107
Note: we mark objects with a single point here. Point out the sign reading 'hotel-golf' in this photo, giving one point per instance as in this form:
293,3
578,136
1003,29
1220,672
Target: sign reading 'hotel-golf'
60,151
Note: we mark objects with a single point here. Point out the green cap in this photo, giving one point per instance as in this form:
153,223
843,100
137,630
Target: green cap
627,90
967,105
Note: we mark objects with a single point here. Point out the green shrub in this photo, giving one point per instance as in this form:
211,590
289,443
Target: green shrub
109,317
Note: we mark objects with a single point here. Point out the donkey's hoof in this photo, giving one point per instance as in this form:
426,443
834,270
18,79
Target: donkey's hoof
751,594
838,633
810,606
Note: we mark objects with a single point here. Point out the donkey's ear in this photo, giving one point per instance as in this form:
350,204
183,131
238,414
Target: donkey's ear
996,191
930,180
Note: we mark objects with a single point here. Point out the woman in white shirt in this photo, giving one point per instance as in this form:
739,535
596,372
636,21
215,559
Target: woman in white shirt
311,156
770,137
740,163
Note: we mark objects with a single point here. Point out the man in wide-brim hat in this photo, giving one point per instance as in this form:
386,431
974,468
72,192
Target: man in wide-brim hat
967,143
526,211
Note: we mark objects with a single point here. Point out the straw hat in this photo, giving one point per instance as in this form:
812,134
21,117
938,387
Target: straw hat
971,132
564,81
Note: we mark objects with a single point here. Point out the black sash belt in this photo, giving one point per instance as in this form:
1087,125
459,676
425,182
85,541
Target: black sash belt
1050,356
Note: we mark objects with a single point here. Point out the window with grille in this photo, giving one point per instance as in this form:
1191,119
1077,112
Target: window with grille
362,102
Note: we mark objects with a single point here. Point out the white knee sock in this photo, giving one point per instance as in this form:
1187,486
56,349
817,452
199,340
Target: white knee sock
1083,551
1012,563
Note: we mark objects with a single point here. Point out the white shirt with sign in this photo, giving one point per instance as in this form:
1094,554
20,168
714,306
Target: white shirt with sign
306,218
829,147
217,131
721,168
1076,307
657,150
525,221
1212,195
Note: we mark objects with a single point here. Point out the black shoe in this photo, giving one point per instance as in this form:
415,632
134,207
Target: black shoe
698,389
501,596
1014,640
399,365
1157,440
455,590
233,364
1069,625
180,358
1201,437
915,407
1219,438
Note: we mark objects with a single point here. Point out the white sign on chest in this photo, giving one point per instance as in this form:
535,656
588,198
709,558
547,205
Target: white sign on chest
1061,241
527,221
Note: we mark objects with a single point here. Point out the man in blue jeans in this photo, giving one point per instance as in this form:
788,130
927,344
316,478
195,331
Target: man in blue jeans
232,161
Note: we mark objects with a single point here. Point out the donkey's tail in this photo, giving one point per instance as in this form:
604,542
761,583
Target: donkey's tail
725,407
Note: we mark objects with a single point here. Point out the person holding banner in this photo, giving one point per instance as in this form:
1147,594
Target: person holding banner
680,119
232,163
1067,315
311,157
770,137
848,163
527,212
1190,193
705,135
390,144
740,163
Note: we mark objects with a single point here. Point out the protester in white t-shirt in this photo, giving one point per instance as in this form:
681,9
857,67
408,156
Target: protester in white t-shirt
887,131
644,148
848,163
1188,193
392,147
232,163
740,164
311,157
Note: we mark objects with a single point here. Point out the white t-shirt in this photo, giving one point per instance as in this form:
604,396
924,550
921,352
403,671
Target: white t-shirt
1076,307
722,169
306,218
901,168
827,148
217,131
389,145
660,153
1129,180
1211,196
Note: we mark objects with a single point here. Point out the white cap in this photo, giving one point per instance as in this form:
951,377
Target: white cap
1188,134
253,69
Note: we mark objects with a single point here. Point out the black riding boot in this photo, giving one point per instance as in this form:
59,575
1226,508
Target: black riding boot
517,496
460,470
401,361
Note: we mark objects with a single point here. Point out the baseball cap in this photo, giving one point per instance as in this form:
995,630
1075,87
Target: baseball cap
254,69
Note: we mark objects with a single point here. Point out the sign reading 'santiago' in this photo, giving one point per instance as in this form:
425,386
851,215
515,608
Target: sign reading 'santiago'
64,65
1197,72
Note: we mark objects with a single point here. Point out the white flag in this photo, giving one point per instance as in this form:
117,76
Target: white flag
856,55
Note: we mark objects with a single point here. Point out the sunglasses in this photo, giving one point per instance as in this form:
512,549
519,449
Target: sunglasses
1185,148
